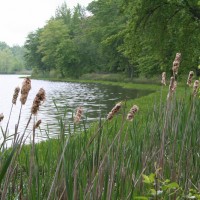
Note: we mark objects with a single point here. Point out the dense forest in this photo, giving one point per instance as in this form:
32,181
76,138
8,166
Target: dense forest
134,37
11,59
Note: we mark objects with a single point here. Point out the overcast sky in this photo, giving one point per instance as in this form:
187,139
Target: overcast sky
19,17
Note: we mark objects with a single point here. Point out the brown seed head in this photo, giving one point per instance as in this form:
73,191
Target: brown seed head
190,76
26,86
15,95
78,115
38,123
163,81
39,98
1,117
195,88
114,111
176,63
132,112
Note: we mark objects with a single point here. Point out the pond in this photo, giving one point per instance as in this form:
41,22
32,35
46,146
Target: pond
96,99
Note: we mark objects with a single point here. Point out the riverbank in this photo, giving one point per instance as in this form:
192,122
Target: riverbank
111,157
116,158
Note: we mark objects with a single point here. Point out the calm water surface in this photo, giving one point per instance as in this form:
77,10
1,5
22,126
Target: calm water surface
96,99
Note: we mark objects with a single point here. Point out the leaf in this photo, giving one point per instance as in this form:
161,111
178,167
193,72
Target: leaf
146,179
167,181
172,185
152,177
149,179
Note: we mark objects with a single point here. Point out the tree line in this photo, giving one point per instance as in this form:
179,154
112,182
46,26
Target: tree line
136,37
11,58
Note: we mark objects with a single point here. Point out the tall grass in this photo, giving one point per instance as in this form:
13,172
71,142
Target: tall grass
108,160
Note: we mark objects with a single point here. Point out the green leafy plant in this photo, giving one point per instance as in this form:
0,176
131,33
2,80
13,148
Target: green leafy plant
156,188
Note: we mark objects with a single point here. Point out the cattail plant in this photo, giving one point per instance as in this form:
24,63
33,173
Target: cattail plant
195,88
190,76
78,115
15,95
26,86
39,98
172,87
37,124
132,112
114,111
176,63
14,100
163,80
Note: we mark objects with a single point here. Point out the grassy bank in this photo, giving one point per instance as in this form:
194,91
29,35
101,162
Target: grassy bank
158,92
154,156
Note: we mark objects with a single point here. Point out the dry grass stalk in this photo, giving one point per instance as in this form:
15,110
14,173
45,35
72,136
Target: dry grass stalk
37,124
1,117
163,81
39,98
15,95
132,112
176,63
114,111
190,76
78,115
172,87
195,88
26,86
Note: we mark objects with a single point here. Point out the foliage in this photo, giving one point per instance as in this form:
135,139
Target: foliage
134,37
32,56
162,28
11,58
156,188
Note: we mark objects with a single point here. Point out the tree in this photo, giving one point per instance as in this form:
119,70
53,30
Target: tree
59,51
109,22
161,28
32,56
11,58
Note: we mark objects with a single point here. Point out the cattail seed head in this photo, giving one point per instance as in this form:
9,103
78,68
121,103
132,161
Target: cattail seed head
78,115
15,95
26,86
38,123
190,76
176,63
39,98
132,112
114,111
195,88
163,81
1,117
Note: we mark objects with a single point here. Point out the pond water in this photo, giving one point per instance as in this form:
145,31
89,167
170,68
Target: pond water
96,99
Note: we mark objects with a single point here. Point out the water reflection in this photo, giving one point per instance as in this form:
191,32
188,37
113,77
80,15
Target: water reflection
96,99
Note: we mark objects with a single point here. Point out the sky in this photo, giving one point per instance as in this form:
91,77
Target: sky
19,17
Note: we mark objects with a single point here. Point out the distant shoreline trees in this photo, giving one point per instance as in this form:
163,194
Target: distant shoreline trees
137,37
11,59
